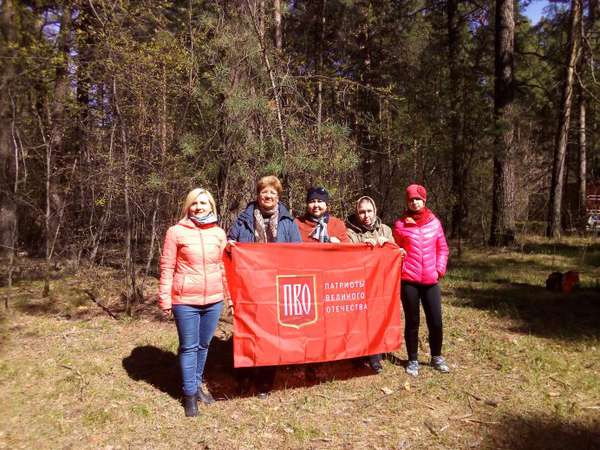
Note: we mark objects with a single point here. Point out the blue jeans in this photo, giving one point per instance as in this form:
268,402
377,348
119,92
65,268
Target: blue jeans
196,326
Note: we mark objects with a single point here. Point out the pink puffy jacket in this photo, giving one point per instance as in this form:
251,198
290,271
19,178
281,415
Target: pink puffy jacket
191,268
426,249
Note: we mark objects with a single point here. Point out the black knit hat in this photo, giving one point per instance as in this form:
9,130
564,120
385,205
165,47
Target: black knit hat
317,193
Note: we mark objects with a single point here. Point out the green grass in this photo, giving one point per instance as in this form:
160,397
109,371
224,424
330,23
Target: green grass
525,371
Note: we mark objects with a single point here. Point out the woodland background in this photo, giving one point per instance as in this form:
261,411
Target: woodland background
110,111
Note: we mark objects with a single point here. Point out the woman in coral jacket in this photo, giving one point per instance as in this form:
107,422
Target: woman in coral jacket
420,234
192,288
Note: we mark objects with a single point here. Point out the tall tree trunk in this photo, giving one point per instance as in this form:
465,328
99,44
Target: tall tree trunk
320,56
562,135
129,262
582,153
97,236
259,30
131,296
456,121
368,109
503,205
259,7
54,145
163,153
8,157
582,166
84,43
278,25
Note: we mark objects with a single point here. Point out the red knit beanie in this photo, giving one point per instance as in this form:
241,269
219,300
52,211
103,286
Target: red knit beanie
416,191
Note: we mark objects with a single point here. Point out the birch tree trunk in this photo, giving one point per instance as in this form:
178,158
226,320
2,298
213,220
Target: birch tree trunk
560,147
582,166
278,25
586,32
56,136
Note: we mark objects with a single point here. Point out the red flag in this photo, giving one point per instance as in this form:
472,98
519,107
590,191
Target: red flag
301,303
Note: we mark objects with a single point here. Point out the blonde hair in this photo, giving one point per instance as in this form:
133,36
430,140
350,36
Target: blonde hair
271,181
192,195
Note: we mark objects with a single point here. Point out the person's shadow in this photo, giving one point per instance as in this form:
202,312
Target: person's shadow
160,369
157,367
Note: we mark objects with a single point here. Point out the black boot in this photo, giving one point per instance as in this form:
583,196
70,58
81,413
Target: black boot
375,363
264,378
205,396
190,405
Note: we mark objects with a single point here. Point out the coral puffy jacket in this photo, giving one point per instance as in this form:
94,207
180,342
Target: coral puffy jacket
426,250
191,267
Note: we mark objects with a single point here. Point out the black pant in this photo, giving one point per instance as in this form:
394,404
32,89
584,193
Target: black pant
262,378
375,359
431,297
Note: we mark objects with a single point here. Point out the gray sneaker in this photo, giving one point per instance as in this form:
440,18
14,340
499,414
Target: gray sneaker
412,368
439,364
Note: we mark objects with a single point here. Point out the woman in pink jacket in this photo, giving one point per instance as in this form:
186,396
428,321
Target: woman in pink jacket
420,234
192,288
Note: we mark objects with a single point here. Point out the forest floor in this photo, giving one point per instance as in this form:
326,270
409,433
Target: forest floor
525,369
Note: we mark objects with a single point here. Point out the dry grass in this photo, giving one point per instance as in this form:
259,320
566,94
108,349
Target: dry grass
525,371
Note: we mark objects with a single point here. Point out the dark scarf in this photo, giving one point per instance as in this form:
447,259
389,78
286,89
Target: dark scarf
420,217
362,226
320,232
210,220
268,234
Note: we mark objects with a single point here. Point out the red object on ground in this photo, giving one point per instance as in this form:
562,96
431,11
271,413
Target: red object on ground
570,279
302,303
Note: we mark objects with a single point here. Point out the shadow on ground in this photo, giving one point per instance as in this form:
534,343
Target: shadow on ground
38,306
560,248
488,271
159,368
485,268
538,311
543,433
155,366
75,304
587,255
